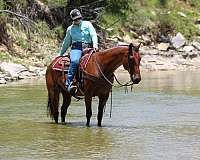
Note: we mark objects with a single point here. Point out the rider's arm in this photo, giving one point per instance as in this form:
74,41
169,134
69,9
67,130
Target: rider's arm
66,43
93,35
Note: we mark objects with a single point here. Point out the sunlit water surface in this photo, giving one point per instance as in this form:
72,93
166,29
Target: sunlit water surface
159,120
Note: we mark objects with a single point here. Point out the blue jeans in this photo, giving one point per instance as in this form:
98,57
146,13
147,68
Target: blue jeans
75,56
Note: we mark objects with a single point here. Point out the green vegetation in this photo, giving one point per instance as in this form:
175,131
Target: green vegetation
119,18
22,42
156,16
4,56
54,3
139,15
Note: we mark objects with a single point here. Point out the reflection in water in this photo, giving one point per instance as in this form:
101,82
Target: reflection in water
29,139
73,142
158,120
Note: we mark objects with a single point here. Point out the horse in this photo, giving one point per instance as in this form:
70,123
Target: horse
98,78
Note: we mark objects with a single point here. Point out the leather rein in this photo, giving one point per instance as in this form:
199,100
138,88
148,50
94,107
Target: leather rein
130,83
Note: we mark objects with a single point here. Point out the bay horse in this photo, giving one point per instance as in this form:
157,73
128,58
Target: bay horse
98,77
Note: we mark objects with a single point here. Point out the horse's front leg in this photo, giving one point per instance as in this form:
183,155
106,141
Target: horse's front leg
88,103
102,103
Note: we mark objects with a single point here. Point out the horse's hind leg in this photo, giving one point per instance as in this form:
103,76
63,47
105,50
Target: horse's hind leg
102,103
65,105
54,104
88,101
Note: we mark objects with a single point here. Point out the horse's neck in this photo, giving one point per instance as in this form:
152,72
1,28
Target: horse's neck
113,58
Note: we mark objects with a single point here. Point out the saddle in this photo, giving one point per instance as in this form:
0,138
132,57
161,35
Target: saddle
62,63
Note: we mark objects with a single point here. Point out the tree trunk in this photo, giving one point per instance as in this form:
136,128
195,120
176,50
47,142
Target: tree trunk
4,37
36,9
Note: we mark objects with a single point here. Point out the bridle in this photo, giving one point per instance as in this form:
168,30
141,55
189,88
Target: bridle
130,82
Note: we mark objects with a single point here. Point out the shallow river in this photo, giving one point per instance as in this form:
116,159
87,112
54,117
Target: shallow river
159,120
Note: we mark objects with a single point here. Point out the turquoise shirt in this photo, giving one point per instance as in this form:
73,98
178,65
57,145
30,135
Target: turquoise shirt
84,32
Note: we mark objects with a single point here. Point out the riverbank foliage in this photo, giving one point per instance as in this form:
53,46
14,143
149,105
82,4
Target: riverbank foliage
155,16
35,28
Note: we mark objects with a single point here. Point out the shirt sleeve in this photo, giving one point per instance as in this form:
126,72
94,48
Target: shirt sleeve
93,35
66,43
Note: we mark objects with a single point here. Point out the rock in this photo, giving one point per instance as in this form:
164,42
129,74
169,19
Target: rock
196,62
167,66
197,21
109,29
151,60
1,75
26,74
134,34
8,78
42,72
3,81
12,68
181,14
159,62
178,41
167,54
148,51
180,61
196,45
150,67
192,54
163,38
163,46
127,38
35,70
184,54
198,26
146,39
188,48
122,43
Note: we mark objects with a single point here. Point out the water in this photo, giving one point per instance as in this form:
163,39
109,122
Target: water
159,120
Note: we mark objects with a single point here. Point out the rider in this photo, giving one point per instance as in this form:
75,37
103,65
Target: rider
81,34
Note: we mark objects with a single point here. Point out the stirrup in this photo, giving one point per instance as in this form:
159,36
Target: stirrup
72,89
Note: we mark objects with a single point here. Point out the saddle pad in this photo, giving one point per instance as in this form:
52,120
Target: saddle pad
85,59
61,63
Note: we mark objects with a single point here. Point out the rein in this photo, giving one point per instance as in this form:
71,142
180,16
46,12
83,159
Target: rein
107,80
130,83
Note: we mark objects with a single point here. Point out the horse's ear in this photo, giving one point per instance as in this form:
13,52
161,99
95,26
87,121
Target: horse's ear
138,47
130,47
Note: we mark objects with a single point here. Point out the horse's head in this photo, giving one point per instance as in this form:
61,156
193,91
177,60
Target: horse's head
131,63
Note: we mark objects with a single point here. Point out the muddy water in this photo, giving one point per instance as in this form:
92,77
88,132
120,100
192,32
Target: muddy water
160,119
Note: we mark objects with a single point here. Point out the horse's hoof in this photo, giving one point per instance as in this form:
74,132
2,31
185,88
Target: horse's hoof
99,125
87,125
63,123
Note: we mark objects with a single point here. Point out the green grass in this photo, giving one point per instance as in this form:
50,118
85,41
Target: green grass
4,56
22,42
151,14
55,2
111,22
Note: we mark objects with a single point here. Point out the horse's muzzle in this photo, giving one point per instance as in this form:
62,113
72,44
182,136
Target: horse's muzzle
136,79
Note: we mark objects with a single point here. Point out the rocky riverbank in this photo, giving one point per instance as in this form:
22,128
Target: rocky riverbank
11,72
154,59
176,55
